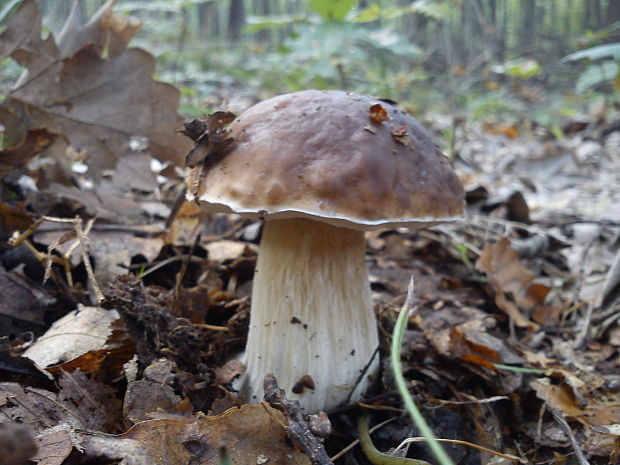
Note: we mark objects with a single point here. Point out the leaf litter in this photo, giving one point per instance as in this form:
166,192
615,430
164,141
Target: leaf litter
515,344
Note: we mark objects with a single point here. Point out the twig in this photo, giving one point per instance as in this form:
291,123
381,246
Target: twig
297,428
86,259
82,239
566,428
465,443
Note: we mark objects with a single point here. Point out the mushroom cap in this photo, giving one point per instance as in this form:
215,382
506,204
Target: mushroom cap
349,160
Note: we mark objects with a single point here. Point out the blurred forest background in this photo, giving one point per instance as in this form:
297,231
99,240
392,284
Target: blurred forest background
512,60
520,300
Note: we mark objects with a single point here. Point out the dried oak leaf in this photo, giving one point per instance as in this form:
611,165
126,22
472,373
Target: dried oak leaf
247,433
110,33
96,97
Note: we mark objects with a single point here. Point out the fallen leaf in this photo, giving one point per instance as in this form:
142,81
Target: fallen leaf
377,113
109,32
99,104
22,303
113,249
508,130
52,417
154,394
80,331
54,444
245,433
95,403
210,135
515,291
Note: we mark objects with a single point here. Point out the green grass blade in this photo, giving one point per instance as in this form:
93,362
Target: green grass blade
397,341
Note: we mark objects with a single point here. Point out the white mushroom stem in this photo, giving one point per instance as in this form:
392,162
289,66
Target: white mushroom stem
311,313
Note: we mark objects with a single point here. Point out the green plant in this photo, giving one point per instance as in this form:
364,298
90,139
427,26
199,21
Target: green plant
604,67
401,384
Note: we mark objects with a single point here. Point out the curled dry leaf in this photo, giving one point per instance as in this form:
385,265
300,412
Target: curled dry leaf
210,136
245,433
400,131
516,294
465,334
587,410
377,113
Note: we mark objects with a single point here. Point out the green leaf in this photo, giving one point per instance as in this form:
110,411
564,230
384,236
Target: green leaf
332,10
595,53
597,74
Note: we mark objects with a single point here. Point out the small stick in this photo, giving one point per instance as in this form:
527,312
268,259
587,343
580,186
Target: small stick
566,428
86,259
297,428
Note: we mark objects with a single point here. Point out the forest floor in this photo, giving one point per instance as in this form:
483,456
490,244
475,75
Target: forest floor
120,302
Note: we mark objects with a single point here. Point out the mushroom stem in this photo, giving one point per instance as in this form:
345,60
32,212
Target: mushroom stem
311,313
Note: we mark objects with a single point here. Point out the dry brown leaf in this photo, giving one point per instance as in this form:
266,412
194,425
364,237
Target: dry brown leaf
55,444
464,333
246,433
588,411
21,300
107,31
557,397
511,282
83,330
97,404
46,415
98,103
154,394
377,113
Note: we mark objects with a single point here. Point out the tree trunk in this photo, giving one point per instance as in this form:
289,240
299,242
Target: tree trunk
528,24
208,26
236,19
613,12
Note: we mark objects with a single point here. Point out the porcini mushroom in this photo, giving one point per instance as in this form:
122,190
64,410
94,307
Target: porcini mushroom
321,167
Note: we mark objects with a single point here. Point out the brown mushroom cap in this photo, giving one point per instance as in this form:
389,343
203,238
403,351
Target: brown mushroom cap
331,156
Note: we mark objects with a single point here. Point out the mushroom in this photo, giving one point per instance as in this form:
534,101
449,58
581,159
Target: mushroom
322,167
